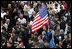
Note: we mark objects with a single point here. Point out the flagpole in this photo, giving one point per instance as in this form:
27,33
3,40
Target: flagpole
48,19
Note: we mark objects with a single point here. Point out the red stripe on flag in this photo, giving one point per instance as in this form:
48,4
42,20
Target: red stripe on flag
39,24
38,28
40,21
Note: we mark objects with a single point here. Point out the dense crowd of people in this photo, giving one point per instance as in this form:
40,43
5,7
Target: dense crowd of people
17,19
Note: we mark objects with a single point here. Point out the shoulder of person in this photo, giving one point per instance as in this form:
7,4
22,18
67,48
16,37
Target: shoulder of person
18,19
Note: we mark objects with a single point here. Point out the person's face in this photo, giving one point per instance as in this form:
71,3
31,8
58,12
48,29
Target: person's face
42,33
60,43
1,23
59,1
19,11
68,46
9,5
3,30
63,1
13,34
13,1
52,22
45,43
10,40
66,37
53,33
30,41
18,23
44,27
9,45
8,21
22,29
58,27
2,10
55,1
19,39
36,46
14,10
32,35
34,12
42,4
38,1
38,38
69,34
21,16
35,36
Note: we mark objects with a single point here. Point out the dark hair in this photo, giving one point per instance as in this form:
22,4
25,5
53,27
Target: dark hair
45,41
4,28
40,36
56,4
43,2
20,36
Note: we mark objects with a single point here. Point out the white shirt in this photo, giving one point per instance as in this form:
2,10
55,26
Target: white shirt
30,12
2,15
31,22
22,21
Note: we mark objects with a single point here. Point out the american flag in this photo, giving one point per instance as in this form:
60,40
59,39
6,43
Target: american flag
40,19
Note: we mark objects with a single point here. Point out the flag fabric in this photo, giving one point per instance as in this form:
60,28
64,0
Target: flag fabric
40,19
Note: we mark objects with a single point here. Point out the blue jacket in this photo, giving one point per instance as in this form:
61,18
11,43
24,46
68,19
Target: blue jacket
51,44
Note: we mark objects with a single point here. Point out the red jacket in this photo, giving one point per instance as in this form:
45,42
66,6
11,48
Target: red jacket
65,5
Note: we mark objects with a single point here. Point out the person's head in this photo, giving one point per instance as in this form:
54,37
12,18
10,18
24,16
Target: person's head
22,3
61,31
45,43
43,3
28,3
58,27
13,34
53,32
10,40
14,10
52,22
21,16
3,39
7,12
44,27
59,2
43,33
66,37
63,1
17,23
19,11
33,13
38,1
35,46
7,20
55,1
2,22
19,38
13,2
32,35
3,29
9,5
60,43
22,29
9,44
35,35
66,24
30,41
68,45
40,37
2,9
69,35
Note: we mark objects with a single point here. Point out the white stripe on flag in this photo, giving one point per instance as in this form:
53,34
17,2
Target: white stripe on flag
39,26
